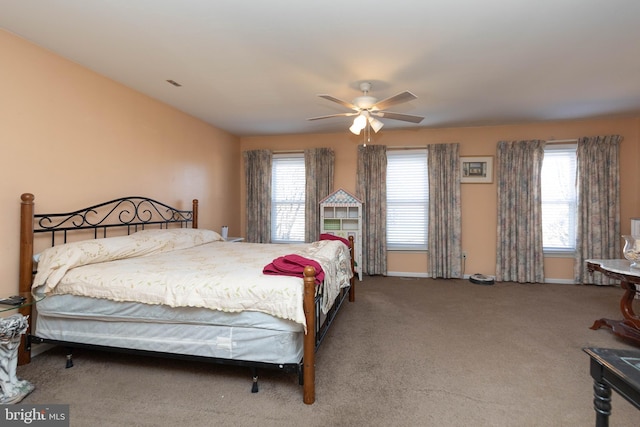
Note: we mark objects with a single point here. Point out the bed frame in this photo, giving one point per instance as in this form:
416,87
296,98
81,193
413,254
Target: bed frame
127,215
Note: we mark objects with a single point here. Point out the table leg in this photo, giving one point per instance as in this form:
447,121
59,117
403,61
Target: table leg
602,403
626,304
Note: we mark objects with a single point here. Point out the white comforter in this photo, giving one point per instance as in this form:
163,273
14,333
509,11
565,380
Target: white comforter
190,268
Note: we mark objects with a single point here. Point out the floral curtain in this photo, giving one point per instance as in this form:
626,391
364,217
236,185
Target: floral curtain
445,251
318,164
372,190
519,255
257,170
598,219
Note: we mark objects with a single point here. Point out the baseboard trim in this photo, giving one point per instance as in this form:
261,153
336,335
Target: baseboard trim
560,281
466,276
406,274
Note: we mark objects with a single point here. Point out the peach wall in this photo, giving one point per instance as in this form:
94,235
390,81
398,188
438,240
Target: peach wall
478,200
74,138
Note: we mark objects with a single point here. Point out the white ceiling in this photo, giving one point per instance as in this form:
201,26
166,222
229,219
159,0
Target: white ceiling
255,67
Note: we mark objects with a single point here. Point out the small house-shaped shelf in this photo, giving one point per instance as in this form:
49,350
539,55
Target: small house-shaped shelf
341,215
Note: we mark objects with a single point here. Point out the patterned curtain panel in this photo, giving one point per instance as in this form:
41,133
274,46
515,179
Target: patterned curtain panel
257,169
598,227
318,163
519,255
445,253
372,190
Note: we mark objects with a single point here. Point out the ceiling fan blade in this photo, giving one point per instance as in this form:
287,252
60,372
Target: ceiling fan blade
333,115
339,101
395,99
398,116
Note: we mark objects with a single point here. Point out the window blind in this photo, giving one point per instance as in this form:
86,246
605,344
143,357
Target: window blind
559,198
407,200
287,198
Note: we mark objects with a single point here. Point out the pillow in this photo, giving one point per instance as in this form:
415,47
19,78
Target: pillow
54,262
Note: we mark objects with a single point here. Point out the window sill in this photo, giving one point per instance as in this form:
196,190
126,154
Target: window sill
559,253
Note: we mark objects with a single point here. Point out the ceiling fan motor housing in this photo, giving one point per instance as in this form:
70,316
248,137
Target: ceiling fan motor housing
364,102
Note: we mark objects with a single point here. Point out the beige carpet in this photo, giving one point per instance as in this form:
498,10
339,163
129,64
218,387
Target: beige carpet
408,352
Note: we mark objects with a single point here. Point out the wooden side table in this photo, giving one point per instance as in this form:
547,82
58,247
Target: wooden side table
613,369
620,269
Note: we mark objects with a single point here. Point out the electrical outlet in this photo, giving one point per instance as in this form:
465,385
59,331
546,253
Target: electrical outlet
464,255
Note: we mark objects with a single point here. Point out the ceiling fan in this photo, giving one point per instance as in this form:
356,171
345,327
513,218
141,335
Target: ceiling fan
367,108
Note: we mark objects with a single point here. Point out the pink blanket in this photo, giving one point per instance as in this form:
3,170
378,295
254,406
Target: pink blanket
293,265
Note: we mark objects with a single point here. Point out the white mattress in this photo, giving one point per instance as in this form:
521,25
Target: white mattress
248,336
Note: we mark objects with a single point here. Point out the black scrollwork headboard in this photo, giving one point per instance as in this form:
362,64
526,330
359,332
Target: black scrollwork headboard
131,213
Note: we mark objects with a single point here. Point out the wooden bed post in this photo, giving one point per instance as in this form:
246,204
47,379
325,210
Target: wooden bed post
26,267
309,358
194,208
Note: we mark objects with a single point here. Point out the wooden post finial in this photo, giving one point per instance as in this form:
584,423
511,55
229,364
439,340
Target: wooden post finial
194,207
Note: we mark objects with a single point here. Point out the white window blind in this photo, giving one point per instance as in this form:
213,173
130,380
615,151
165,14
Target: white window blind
287,198
407,200
559,198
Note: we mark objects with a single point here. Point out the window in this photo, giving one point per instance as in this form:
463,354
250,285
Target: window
287,198
559,199
407,200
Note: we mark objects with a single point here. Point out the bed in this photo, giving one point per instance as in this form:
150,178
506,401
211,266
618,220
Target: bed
137,275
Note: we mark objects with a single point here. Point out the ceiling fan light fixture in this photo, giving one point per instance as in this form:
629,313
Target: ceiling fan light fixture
358,123
366,106
376,124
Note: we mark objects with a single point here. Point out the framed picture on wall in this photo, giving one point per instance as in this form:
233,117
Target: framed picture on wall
476,170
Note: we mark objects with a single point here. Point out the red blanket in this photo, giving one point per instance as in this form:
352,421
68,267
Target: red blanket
293,265
332,237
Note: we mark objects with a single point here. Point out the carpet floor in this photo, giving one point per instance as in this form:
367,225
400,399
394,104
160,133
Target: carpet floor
408,352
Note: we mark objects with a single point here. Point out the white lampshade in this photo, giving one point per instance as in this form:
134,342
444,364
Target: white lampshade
355,129
358,124
376,124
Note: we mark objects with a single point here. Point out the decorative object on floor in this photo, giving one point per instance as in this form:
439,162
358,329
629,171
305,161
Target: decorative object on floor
366,108
481,279
13,389
631,250
476,170
225,232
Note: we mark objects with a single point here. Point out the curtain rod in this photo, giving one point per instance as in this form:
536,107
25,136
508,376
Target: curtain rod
287,151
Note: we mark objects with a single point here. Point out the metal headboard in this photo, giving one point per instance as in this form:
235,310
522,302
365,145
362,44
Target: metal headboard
132,213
